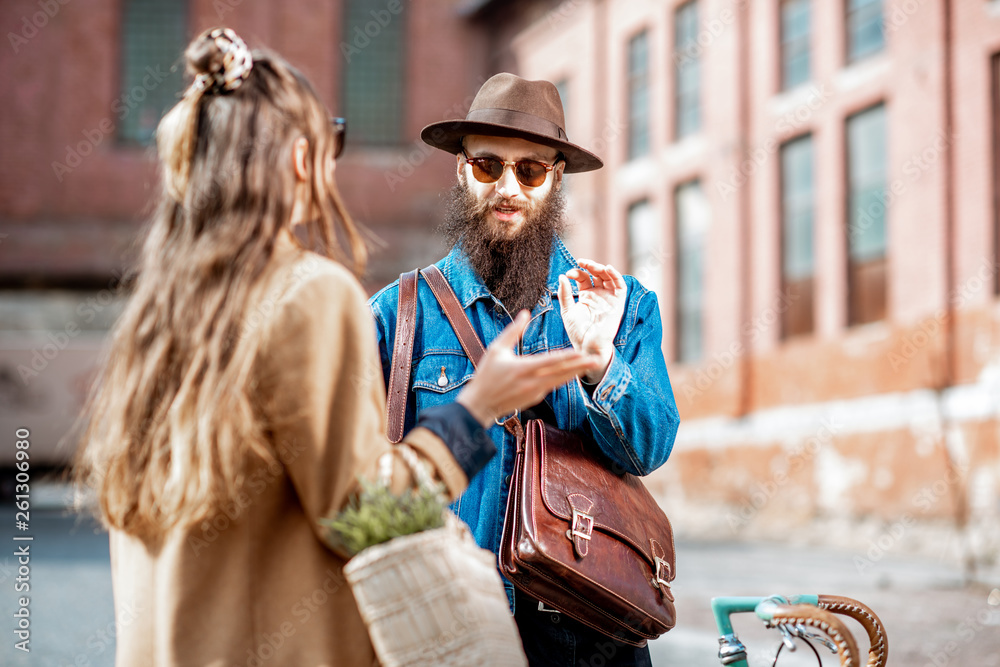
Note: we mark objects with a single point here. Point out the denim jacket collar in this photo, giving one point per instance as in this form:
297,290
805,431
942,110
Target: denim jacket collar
469,286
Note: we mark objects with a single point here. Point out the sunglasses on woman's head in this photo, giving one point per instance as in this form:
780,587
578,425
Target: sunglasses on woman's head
530,173
339,133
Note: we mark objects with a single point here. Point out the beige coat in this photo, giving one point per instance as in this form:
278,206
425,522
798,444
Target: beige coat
257,586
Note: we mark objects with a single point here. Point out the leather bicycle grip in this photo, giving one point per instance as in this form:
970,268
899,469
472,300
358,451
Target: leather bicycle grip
878,640
825,622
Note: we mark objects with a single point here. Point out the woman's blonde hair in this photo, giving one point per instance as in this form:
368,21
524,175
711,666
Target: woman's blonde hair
172,421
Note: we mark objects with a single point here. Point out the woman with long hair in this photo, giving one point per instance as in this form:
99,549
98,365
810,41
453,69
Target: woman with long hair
242,396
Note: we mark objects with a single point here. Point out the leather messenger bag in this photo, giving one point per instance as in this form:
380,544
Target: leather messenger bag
579,536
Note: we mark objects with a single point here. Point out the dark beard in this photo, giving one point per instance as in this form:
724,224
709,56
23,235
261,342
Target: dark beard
515,269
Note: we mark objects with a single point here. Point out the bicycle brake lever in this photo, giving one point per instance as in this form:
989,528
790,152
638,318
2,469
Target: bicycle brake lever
802,632
787,636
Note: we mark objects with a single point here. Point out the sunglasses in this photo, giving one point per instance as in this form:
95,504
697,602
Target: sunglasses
529,173
339,133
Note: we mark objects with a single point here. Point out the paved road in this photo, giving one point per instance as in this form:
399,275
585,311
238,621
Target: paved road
71,609
933,619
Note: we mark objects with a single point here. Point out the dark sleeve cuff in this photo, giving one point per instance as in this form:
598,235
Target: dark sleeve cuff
462,434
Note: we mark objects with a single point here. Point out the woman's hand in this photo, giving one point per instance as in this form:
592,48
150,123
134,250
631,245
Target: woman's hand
505,382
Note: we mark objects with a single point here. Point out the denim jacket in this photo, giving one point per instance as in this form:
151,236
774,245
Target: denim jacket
630,413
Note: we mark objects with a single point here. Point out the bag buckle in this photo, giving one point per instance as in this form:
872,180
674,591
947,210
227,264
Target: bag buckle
582,525
500,422
659,578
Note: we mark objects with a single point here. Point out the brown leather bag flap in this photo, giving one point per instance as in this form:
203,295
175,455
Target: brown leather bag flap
620,506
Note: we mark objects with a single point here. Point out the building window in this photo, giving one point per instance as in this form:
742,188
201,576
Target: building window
996,167
646,254
562,87
687,93
373,52
153,37
866,231
865,34
797,262
638,95
795,31
692,221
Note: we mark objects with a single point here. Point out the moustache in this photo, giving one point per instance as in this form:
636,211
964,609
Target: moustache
501,202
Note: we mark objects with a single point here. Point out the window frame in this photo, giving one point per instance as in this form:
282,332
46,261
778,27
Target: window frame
123,134
357,135
562,85
679,302
631,152
659,254
788,286
783,83
850,57
678,57
858,308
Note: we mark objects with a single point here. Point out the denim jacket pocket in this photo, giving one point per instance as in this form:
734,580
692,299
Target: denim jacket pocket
436,376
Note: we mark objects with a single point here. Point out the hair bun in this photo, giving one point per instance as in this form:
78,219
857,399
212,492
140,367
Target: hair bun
219,60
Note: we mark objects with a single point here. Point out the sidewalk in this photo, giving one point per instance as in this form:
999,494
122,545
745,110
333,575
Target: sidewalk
932,619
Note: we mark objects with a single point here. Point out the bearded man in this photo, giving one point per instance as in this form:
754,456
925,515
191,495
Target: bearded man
505,217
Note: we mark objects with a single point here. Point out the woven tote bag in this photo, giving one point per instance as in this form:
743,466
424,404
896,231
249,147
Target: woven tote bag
434,597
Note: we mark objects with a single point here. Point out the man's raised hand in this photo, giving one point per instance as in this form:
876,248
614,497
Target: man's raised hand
592,321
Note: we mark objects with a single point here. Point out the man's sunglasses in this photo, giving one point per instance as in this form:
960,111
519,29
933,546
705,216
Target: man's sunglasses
339,132
530,173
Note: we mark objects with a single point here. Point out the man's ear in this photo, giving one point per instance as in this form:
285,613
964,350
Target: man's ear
460,161
300,151
557,178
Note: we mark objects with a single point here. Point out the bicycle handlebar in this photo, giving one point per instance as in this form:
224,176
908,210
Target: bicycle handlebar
792,615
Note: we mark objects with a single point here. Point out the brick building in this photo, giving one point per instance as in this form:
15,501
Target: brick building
813,190
84,86
810,186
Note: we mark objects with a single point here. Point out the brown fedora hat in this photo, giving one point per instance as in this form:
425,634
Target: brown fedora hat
509,106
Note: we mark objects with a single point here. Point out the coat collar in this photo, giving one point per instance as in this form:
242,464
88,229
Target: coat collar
468,286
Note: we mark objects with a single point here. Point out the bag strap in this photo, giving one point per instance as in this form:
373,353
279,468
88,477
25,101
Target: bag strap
402,356
420,469
453,310
467,335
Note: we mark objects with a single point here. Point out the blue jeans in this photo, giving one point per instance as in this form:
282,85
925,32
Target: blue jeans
555,640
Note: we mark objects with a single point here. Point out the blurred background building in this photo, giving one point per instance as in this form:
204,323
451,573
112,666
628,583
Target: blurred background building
812,187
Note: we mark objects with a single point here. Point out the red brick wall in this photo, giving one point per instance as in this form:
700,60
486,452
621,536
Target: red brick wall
73,230
61,85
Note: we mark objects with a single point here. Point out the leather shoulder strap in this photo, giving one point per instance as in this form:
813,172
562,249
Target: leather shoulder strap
453,310
402,356
467,335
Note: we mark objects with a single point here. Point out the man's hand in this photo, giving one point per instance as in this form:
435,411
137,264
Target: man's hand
593,320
